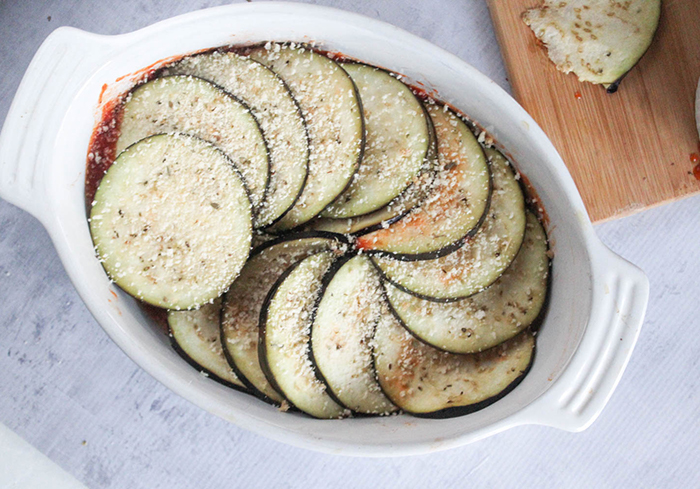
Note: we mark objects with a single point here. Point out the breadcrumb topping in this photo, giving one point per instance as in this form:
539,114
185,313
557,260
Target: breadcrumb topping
171,222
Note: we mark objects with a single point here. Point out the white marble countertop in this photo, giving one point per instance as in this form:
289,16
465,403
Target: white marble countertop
70,392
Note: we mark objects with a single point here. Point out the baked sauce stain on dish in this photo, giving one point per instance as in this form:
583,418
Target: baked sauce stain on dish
103,147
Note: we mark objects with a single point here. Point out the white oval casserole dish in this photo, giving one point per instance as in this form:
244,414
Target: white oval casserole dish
597,301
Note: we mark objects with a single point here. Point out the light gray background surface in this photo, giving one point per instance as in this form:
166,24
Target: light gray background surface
68,390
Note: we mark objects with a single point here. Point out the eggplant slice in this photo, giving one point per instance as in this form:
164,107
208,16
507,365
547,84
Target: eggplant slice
158,243
387,215
341,335
240,317
277,112
481,259
425,381
186,104
332,111
456,205
195,336
396,146
286,328
598,40
412,197
488,318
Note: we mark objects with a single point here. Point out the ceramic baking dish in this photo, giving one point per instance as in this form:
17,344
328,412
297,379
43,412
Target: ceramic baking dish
597,303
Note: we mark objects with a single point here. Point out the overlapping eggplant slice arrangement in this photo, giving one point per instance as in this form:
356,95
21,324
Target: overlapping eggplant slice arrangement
395,266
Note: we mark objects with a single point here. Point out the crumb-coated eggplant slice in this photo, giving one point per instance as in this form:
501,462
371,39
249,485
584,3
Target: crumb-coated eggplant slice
481,259
195,336
240,317
425,381
412,197
599,40
488,318
456,205
187,104
332,111
341,335
277,112
286,328
387,215
171,221
397,143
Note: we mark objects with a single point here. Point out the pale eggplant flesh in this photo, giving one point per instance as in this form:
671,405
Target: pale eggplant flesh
598,40
427,382
195,336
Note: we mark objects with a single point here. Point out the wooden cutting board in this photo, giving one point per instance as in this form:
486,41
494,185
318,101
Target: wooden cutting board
627,151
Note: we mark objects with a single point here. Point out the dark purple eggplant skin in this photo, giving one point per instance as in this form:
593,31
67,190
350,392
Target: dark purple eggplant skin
291,236
539,320
201,369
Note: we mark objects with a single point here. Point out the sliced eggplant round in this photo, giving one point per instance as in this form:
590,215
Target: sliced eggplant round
341,335
332,110
387,215
425,381
481,259
286,328
598,40
277,112
195,336
488,318
186,104
240,318
396,147
457,203
171,221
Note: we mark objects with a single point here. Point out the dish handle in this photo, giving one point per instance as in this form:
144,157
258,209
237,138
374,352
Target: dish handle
55,75
578,396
